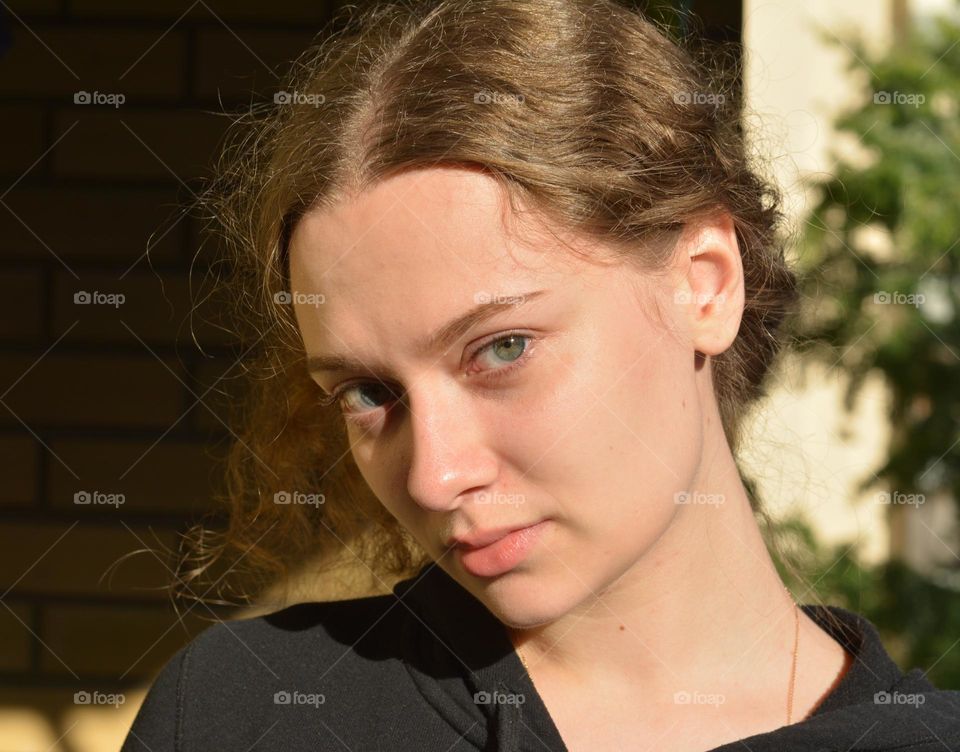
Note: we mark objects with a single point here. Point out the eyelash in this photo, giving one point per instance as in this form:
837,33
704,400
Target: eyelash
495,373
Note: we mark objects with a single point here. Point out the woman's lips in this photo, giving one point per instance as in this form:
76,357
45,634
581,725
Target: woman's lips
501,555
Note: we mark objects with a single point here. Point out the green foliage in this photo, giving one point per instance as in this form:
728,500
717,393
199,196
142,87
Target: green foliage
918,620
881,283
909,193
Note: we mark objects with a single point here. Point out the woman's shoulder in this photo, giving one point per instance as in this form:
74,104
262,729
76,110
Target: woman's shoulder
245,672
295,636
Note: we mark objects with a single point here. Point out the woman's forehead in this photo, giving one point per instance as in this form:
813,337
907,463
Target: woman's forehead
422,225
429,194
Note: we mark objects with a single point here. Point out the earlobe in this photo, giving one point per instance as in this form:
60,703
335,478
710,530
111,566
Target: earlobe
713,284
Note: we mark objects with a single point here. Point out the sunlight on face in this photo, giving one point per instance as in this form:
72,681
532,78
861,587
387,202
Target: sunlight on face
575,405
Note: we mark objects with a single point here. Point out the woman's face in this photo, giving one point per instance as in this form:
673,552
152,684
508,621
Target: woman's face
569,402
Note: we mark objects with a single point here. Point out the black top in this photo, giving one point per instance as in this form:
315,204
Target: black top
428,667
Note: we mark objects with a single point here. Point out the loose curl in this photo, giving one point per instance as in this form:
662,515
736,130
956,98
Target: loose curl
583,110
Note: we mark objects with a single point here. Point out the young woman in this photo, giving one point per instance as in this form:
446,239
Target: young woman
517,284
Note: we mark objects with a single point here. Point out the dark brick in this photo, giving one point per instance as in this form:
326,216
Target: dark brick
226,10
154,307
21,127
21,300
15,637
91,224
133,642
141,144
86,560
171,476
19,466
232,67
34,7
91,390
108,60
160,307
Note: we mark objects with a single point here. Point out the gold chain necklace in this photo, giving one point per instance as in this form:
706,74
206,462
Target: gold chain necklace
793,664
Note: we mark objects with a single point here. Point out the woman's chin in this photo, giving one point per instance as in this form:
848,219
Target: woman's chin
521,601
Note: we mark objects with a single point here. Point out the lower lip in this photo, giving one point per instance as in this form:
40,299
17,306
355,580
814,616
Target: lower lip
503,554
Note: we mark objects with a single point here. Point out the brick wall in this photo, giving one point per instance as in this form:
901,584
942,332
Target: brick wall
102,397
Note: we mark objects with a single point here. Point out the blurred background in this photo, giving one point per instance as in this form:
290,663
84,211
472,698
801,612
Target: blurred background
116,369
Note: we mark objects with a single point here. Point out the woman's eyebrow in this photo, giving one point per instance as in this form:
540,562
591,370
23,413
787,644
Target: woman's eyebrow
439,340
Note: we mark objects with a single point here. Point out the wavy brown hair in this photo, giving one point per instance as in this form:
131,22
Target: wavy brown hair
583,110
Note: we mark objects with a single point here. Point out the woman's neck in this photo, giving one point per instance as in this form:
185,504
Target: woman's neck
702,611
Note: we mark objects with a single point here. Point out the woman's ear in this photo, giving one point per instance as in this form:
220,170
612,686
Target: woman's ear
709,291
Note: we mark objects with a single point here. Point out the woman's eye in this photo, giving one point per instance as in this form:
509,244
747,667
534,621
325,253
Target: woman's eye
504,353
362,398
506,349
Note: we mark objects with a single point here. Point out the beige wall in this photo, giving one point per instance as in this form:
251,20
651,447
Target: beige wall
795,83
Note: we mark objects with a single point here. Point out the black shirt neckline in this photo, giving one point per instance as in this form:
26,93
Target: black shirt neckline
482,644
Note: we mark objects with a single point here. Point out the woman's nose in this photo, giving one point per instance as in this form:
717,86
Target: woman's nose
448,449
